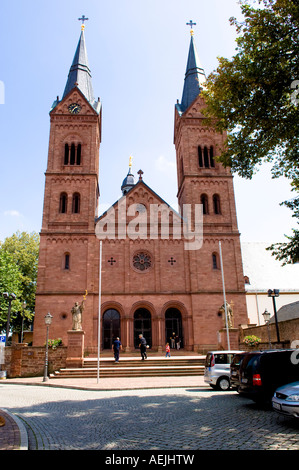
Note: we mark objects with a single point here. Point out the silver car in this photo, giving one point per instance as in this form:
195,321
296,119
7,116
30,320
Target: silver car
286,400
217,368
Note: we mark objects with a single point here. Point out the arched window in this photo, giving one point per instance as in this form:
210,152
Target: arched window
76,203
63,203
200,159
212,161
79,154
216,204
73,154
67,261
205,203
215,261
206,157
66,154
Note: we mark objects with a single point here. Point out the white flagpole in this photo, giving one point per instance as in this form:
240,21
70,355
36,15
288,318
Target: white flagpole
99,318
224,296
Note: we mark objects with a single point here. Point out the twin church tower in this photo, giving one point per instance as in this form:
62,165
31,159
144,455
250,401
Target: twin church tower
152,286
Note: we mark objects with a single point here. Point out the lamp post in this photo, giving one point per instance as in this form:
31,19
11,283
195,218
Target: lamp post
275,293
48,321
266,316
10,297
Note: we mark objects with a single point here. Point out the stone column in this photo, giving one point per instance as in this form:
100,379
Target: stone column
75,349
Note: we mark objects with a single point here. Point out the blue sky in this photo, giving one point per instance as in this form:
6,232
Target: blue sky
137,54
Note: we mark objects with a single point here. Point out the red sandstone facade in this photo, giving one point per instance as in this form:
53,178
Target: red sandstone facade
153,286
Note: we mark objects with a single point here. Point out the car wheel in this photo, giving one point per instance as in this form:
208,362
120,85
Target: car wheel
223,383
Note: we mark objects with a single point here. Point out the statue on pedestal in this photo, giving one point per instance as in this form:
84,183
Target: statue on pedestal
77,312
230,315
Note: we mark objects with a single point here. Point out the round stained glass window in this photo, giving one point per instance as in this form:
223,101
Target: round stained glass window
142,261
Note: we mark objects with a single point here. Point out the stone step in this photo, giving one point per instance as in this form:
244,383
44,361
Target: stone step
135,367
129,372
148,363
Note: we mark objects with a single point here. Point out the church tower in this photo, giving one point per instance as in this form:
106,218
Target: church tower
203,180
68,245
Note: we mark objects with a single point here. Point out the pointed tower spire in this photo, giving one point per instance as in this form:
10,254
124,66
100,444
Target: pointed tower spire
195,76
129,180
79,74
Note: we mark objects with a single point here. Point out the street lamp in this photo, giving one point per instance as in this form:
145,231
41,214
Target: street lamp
10,297
275,293
48,321
266,316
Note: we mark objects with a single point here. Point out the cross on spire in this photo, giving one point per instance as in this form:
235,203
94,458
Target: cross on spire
140,173
191,24
83,19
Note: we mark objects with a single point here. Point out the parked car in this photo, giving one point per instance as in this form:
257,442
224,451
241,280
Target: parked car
217,368
235,370
262,372
286,400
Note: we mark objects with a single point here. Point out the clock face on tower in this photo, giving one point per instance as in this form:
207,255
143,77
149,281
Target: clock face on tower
74,108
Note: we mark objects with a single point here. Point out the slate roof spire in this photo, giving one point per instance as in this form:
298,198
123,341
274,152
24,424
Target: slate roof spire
79,74
195,77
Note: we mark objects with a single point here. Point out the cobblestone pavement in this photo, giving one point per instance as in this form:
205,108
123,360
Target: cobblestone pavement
157,419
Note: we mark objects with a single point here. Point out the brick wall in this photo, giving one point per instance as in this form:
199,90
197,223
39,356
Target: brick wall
24,361
288,331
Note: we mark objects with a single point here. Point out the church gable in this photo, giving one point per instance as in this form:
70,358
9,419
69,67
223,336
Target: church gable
74,103
141,213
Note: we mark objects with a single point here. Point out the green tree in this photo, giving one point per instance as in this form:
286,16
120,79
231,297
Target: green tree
253,97
23,249
10,281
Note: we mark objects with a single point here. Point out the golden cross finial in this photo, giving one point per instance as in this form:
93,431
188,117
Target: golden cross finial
130,161
191,24
83,19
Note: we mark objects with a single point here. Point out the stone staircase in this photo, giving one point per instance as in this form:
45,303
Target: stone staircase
134,367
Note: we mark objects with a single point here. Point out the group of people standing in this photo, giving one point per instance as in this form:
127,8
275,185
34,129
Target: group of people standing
117,347
175,343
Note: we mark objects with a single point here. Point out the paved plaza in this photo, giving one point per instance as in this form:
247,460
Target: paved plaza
179,418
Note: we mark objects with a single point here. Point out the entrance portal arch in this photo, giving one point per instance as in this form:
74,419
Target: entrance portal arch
111,327
142,325
173,324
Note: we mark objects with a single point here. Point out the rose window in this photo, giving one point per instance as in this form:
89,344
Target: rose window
142,261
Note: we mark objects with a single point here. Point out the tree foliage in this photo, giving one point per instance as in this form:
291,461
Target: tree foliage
19,257
253,97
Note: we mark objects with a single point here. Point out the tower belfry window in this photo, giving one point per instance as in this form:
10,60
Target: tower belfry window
66,154
216,203
73,154
63,203
79,154
76,203
206,157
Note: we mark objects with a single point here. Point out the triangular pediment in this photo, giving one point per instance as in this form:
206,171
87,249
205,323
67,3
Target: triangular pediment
143,208
75,96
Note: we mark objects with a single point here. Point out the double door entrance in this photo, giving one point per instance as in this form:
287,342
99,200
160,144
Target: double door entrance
142,325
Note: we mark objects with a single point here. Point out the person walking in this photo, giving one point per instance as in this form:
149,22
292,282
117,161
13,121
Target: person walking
116,347
142,346
167,348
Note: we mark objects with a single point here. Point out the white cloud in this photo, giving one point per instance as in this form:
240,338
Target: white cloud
13,213
166,166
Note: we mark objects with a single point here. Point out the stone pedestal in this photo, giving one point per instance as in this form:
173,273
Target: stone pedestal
233,338
75,349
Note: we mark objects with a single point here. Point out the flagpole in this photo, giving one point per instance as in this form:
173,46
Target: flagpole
99,318
224,296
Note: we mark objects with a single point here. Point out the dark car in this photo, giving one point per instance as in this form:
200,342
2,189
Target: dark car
235,370
262,372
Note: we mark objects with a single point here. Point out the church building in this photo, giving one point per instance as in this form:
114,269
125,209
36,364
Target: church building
153,280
